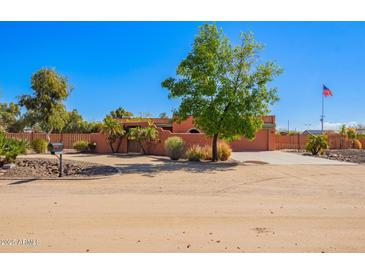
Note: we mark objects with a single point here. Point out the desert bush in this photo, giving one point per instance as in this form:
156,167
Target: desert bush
175,147
195,153
357,144
81,146
207,152
317,143
39,145
11,148
224,151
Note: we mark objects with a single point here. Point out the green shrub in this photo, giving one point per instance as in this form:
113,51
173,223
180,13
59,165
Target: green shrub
317,143
39,145
11,148
195,153
175,147
81,146
224,151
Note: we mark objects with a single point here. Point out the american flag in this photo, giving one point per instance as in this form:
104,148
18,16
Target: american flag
326,91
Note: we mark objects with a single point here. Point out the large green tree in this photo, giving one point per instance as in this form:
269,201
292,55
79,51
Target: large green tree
224,87
45,107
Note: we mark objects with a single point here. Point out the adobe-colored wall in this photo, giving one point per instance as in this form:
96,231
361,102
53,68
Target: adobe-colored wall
299,141
102,144
184,126
265,140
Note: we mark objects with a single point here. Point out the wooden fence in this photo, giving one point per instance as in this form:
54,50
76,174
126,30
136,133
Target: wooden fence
66,138
299,141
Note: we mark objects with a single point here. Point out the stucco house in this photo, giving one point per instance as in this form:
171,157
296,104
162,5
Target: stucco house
265,138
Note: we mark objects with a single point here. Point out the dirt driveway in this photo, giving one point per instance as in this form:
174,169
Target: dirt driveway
154,205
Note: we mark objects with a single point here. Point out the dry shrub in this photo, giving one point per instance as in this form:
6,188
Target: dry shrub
195,153
357,144
207,152
224,151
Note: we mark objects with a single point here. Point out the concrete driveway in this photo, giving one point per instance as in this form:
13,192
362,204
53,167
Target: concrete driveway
282,158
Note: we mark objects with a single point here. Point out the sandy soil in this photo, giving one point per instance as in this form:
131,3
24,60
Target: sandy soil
156,206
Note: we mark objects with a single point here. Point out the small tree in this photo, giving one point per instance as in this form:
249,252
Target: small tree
45,107
145,136
223,87
114,131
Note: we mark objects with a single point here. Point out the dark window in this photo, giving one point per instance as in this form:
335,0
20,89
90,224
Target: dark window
194,130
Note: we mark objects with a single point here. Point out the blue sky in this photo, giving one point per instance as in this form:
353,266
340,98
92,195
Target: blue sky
112,64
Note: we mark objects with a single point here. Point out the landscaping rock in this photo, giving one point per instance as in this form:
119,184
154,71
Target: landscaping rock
345,155
9,166
49,168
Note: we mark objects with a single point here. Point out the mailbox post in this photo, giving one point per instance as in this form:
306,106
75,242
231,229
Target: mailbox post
57,150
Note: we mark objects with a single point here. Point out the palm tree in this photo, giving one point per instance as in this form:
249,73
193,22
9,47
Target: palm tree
114,131
144,136
351,134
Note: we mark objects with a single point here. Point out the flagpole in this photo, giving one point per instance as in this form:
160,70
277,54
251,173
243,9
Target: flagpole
322,117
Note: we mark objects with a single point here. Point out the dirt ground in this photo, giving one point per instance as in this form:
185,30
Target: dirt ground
154,205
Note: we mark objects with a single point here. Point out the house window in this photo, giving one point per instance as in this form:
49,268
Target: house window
193,130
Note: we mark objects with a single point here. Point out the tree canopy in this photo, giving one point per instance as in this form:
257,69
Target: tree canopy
114,132
45,106
224,87
9,116
145,136
120,113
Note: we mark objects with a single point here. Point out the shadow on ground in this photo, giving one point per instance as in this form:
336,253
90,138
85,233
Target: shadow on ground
158,165
25,181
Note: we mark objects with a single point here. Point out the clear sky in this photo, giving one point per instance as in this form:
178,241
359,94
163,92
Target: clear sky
112,64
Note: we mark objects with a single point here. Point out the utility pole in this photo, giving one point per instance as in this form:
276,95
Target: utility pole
288,126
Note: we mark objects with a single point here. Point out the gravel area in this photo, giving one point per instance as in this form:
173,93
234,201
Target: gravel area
344,155
50,168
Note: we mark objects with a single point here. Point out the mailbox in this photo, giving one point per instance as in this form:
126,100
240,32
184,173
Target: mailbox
55,148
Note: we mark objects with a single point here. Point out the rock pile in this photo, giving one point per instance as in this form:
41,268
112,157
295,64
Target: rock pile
50,168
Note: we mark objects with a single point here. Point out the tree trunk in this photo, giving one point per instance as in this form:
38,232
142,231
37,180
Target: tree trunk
215,148
111,146
119,143
48,135
143,150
